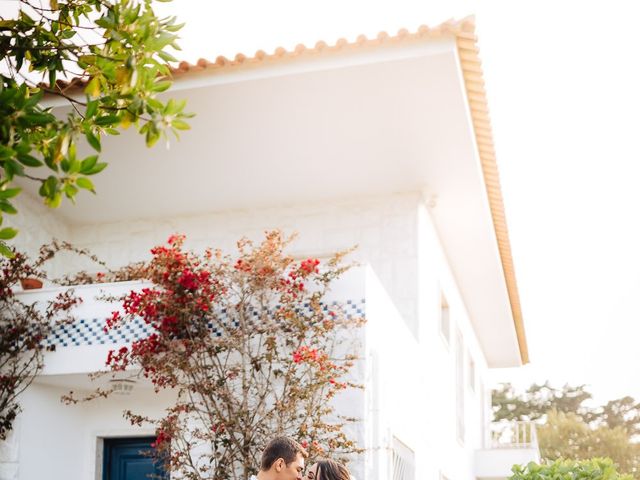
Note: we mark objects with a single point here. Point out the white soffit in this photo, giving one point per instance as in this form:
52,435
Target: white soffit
307,128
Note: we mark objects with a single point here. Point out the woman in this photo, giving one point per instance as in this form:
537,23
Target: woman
328,469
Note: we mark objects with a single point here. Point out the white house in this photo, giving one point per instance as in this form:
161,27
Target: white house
385,143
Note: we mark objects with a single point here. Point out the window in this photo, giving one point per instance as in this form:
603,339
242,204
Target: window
445,320
459,387
403,461
471,372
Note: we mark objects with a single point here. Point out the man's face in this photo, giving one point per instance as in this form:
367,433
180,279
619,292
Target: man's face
293,471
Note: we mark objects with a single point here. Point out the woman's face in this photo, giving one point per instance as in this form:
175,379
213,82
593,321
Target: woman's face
311,473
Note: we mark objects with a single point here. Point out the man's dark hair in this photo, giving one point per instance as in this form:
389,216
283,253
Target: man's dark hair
281,447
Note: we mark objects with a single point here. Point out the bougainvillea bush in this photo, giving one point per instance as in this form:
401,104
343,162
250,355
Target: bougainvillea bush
24,327
250,348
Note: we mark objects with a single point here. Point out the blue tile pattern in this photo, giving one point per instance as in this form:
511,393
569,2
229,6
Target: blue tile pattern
90,331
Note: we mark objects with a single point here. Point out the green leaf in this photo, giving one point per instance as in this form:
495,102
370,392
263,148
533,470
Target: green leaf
28,160
96,169
70,191
6,207
49,187
174,28
12,168
87,59
6,152
155,104
37,118
180,125
6,251
88,163
34,99
167,57
92,108
8,233
84,182
9,192
54,202
107,120
93,87
74,166
94,140
161,86
152,137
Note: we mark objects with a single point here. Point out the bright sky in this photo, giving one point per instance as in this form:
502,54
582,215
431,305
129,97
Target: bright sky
563,81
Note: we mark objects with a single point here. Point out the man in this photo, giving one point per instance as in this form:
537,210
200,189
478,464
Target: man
282,459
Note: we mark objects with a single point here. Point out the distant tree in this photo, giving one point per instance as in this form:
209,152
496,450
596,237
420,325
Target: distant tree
566,435
623,412
567,428
537,400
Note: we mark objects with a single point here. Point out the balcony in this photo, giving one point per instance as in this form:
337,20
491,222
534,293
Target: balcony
513,443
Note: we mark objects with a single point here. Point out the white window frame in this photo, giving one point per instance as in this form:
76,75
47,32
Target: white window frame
444,313
460,386
471,372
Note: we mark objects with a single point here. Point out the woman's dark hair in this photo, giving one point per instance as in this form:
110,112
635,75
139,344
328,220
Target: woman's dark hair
331,470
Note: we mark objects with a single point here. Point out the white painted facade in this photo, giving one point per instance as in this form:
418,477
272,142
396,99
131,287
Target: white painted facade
413,201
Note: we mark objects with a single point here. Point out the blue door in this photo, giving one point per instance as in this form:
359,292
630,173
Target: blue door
130,459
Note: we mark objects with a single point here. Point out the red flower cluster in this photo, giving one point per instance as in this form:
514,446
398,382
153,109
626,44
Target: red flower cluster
191,281
338,385
242,266
118,360
291,286
183,286
112,321
162,439
306,354
314,446
217,427
146,346
177,239
310,265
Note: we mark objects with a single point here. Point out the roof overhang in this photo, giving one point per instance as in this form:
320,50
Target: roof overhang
392,114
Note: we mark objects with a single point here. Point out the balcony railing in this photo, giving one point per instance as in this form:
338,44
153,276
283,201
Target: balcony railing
514,435
509,444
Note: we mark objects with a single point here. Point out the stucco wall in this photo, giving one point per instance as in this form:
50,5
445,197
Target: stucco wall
59,442
37,225
412,377
448,457
397,238
384,228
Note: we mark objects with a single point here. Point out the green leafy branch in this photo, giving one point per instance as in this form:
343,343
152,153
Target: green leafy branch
123,68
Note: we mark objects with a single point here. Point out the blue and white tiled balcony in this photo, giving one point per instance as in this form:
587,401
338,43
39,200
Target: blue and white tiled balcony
81,346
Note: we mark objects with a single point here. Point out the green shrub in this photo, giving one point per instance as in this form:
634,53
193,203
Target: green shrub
593,469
